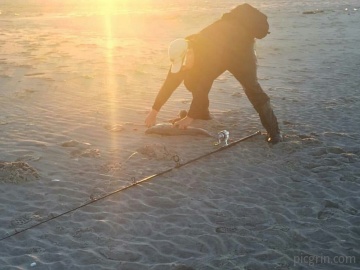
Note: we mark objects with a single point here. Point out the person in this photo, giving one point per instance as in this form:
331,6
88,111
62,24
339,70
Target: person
197,60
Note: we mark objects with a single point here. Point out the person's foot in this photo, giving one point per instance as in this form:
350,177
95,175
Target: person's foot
275,139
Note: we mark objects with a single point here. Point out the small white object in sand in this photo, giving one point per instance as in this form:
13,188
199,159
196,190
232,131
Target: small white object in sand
33,264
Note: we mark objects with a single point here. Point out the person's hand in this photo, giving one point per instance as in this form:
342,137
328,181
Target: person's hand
150,119
183,123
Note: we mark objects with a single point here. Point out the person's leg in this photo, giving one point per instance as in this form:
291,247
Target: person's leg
245,73
208,65
199,108
270,123
199,84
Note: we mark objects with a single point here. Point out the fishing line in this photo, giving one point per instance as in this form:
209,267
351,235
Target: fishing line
134,183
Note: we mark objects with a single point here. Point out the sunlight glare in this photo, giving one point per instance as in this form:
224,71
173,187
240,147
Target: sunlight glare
111,86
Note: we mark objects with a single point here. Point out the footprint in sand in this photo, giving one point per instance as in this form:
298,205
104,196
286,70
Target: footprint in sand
83,150
90,153
237,94
17,172
157,151
26,218
330,208
114,128
74,143
112,167
21,220
120,255
96,194
181,267
34,74
37,250
226,230
5,76
28,158
24,93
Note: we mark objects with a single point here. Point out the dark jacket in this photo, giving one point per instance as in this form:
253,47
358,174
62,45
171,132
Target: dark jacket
216,47
224,42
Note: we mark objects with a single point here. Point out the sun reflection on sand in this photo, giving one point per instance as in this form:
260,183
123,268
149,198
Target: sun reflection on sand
119,31
111,84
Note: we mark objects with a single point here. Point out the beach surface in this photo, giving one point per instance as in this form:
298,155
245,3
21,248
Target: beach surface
76,85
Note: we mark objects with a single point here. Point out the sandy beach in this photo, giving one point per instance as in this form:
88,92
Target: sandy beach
75,87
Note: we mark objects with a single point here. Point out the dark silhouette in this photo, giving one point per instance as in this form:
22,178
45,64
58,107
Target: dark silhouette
197,60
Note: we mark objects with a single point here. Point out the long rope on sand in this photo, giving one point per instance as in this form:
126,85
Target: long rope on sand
134,183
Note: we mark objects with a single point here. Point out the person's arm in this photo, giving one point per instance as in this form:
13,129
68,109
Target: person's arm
172,81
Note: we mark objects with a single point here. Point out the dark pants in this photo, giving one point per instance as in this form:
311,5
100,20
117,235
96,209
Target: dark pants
244,68
199,80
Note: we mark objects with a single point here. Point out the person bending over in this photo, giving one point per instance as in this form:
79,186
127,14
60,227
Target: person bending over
197,60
